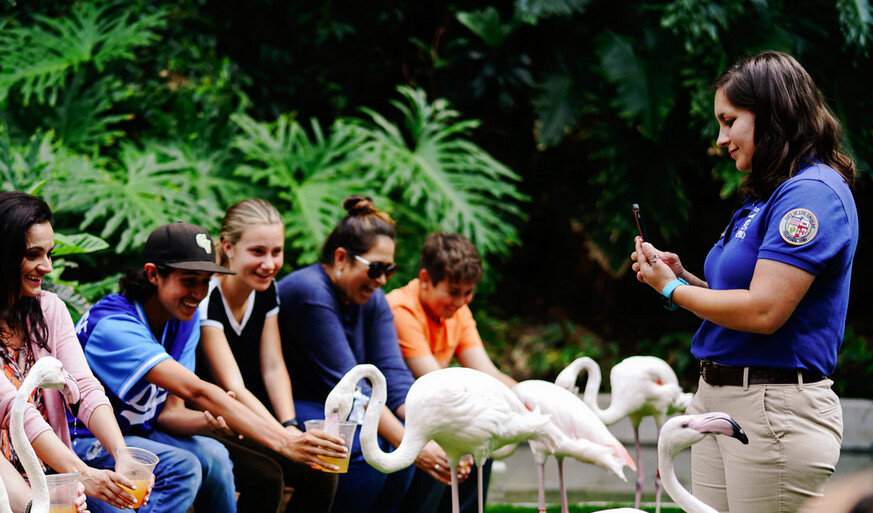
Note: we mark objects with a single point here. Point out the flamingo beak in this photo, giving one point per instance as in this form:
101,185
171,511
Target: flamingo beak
720,424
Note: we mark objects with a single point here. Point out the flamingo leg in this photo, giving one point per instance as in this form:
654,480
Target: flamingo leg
456,506
479,475
564,508
541,471
658,484
641,473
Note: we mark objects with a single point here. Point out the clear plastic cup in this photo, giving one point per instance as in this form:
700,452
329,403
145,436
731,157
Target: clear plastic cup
62,489
137,465
347,433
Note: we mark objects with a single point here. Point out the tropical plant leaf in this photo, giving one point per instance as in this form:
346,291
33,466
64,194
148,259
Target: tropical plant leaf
434,168
532,11
82,117
37,59
558,107
486,24
644,91
312,174
132,201
77,244
26,168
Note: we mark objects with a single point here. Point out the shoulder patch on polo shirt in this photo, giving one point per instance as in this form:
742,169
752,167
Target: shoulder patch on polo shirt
798,227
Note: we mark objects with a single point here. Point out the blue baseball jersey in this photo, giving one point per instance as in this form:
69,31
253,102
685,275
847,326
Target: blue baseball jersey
809,222
121,350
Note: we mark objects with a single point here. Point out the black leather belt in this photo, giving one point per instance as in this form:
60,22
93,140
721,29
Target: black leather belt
725,375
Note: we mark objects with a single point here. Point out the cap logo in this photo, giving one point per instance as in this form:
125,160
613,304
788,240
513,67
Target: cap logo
203,241
798,227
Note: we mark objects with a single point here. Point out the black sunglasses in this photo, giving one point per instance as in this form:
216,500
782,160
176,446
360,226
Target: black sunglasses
376,269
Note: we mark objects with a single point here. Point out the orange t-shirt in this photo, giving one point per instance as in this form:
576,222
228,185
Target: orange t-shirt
422,336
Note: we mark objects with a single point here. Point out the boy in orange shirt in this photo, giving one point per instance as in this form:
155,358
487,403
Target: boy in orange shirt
434,325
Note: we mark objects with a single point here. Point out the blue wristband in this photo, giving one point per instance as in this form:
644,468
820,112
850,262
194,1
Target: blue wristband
667,292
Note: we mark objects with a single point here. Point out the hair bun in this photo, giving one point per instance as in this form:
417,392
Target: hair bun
359,206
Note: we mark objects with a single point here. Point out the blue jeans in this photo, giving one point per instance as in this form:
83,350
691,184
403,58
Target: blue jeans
192,470
363,489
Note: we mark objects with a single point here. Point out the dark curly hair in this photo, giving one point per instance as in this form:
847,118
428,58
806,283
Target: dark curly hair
793,125
18,212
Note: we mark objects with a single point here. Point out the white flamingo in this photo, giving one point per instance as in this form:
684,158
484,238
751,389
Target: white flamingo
679,433
576,421
463,410
47,372
642,386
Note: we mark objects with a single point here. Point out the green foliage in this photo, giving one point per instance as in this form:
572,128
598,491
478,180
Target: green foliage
74,294
146,191
37,59
854,373
487,25
310,174
644,93
431,166
856,22
532,11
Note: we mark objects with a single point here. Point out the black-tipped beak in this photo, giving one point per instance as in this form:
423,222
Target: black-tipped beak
738,433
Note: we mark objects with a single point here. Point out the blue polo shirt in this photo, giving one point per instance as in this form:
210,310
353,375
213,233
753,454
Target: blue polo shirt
322,338
810,222
121,349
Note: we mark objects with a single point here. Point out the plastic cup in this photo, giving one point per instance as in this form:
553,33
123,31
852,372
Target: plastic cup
347,433
137,465
62,490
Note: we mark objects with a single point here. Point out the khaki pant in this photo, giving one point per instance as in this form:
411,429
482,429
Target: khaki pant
794,434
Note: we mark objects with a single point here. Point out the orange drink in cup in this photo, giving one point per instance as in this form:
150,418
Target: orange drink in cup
347,433
62,492
137,465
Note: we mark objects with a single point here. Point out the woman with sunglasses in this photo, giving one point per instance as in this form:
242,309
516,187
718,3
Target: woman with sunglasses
333,316
240,351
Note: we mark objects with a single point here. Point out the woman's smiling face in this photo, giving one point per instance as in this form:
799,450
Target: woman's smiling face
258,254
37,261
736,131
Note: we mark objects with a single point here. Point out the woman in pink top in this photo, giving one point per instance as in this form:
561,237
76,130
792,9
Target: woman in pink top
35,323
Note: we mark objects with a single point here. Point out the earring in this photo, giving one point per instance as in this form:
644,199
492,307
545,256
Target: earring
338,274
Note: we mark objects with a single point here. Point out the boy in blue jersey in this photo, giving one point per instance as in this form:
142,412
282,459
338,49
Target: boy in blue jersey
141,345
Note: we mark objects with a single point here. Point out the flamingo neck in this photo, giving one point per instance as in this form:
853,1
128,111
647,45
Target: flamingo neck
674,488
22,446
411,444
567,379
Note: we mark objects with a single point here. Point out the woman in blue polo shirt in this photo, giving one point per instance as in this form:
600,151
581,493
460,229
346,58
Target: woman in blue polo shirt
775,292
333,315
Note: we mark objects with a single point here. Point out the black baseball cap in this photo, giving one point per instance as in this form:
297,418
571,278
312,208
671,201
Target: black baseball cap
182,246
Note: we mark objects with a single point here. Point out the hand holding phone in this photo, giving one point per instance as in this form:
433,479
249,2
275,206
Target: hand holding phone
639,220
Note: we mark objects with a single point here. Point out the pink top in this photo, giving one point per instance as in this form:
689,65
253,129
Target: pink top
63,345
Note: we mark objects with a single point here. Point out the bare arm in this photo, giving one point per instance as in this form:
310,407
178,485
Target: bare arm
225,370
774,292
19,492
104,426
275,374
421,365
306,447
477,358
101,484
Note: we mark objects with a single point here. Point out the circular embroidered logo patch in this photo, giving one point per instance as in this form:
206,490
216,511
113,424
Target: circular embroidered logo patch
798,227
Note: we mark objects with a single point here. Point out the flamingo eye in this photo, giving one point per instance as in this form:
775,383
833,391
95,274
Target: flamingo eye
684,424
660,382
